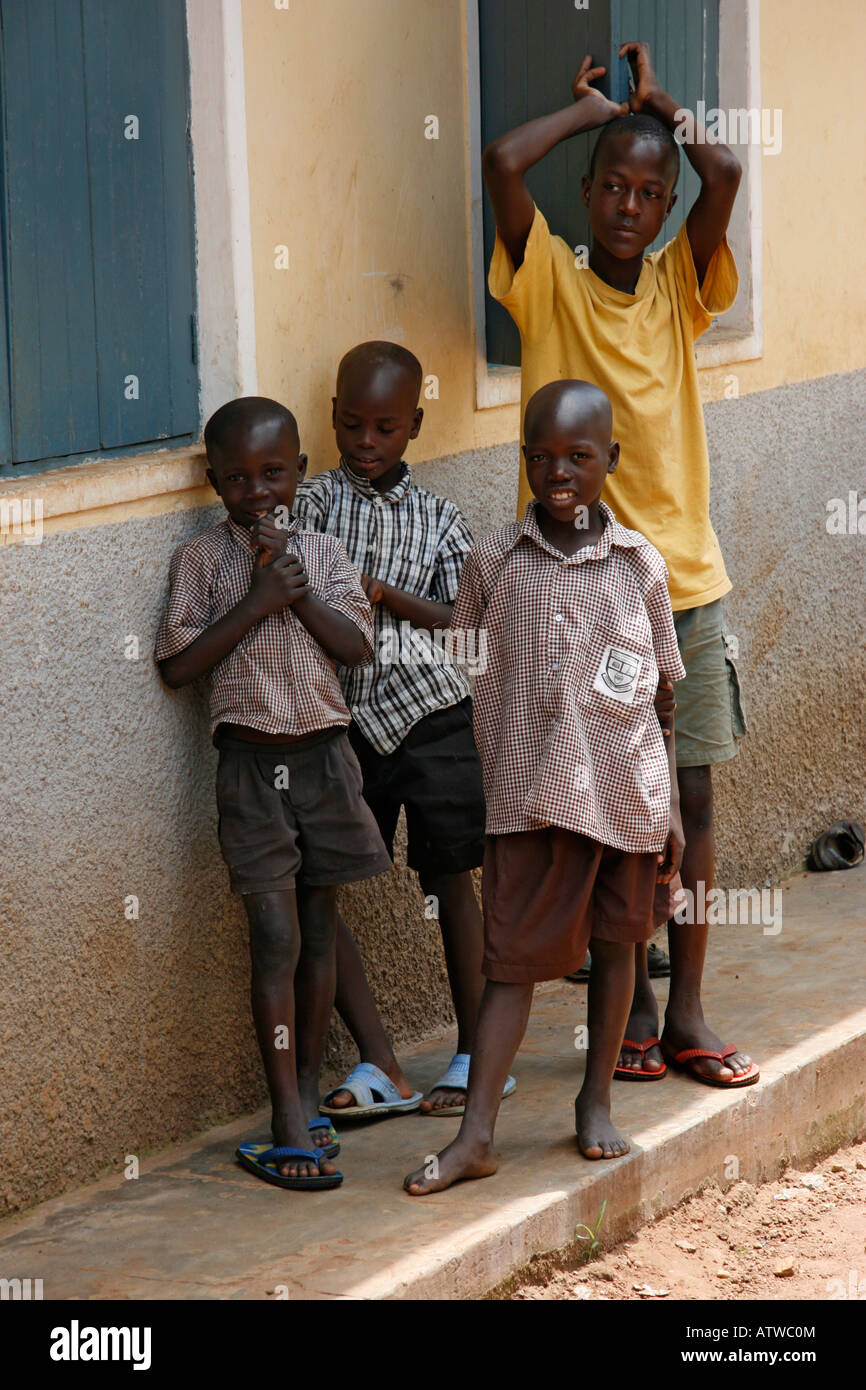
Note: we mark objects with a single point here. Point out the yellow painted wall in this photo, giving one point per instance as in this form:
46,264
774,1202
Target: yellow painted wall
376,216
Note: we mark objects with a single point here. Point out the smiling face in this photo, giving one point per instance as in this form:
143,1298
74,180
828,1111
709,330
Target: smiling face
568,448
375,414
257,469
629,194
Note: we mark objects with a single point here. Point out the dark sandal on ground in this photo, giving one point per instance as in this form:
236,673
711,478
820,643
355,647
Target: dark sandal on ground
658,965
840,847
264,1160
682,1062
638,1073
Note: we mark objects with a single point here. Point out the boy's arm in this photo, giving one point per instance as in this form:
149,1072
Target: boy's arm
506,160
273,587
420,612
340,637
671,857
453,546
716,165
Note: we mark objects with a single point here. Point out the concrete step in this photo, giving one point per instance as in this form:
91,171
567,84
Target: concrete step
195,1225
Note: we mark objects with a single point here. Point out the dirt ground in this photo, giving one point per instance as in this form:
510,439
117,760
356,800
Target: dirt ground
803,1237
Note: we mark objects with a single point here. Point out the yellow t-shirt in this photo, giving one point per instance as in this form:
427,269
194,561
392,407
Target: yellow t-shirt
639,348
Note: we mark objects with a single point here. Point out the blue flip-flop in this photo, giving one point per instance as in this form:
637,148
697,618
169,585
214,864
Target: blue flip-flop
374,1093
264,1160
456,1078
332,1147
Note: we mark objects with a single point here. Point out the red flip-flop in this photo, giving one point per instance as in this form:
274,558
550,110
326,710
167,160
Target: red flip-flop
638,1073
681,1060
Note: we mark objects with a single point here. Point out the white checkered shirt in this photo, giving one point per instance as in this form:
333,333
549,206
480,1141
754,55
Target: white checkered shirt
564,715
417,542
278,678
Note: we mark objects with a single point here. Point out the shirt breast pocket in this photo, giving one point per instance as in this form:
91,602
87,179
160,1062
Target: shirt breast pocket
618,675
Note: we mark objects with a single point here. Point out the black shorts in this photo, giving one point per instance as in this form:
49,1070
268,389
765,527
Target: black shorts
294,810
436,774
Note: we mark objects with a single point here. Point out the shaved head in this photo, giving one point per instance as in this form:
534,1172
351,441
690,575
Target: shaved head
243,418
568,404
367,359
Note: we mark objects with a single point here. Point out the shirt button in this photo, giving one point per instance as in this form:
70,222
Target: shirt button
555,666
557,617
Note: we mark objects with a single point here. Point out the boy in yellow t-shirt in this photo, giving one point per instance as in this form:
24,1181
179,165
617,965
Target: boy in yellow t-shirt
628,322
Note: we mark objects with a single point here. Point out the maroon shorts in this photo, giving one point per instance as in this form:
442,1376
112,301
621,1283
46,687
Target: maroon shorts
547,892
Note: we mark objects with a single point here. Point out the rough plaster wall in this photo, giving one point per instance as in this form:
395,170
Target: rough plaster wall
118,1036
797,608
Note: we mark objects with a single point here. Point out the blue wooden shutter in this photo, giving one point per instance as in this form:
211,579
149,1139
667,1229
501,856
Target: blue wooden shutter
99,279
530,52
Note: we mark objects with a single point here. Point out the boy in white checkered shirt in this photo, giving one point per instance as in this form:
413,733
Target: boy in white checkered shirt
583,821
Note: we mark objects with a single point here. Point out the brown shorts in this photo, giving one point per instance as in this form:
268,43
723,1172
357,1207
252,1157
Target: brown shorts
295,810
547,892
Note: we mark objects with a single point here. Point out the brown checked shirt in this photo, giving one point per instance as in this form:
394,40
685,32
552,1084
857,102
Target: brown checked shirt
278,678
564,715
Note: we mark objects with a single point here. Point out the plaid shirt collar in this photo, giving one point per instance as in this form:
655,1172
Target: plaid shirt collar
244,537
613,534
366,489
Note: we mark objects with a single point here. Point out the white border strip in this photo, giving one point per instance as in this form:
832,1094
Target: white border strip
224,262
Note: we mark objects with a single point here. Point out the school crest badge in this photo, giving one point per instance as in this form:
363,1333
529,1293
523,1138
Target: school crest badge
617,675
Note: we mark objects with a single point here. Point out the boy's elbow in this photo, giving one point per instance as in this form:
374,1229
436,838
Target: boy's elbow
357,652
170,674
496,159
729,170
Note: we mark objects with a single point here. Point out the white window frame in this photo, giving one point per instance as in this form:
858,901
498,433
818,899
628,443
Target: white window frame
740,337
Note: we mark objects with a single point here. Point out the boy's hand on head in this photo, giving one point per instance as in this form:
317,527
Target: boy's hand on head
595,100
665,706
671,858
278,584
373,588
268,539
646,84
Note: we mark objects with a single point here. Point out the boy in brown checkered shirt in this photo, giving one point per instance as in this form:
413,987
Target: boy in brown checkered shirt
265,608
583,815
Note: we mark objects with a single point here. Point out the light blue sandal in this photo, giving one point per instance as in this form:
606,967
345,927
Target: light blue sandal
456,1078
374,1094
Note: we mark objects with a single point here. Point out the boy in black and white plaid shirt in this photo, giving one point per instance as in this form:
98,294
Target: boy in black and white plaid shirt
412,717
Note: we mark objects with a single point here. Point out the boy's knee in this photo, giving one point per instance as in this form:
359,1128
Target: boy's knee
317,910
274,940
696,796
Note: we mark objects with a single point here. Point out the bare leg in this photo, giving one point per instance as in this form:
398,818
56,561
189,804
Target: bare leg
463,941
611,982
684,1017
357,1008
315,980
275,947
502,1021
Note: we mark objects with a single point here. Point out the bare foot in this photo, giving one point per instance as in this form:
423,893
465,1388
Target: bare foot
643,1022
691,1031
289,1133
344,1100
441,1098
596,1135
456,1163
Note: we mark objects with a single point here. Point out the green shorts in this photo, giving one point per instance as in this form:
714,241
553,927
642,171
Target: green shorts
710,717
